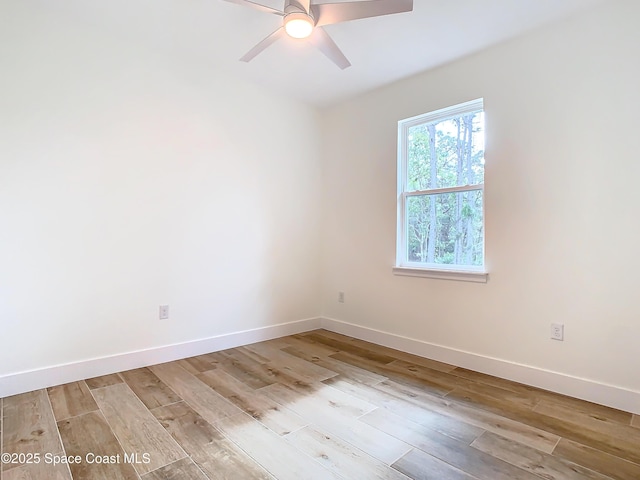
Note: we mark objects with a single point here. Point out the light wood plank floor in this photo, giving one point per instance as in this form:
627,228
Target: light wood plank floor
313,406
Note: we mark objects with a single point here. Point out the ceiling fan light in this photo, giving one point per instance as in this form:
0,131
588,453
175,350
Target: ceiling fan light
298,25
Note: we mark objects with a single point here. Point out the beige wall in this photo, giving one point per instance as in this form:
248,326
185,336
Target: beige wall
562,209
129,179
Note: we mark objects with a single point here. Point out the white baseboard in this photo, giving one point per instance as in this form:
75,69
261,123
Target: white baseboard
590,390
22,382
585,389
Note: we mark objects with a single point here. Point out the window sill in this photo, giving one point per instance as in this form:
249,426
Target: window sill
459,275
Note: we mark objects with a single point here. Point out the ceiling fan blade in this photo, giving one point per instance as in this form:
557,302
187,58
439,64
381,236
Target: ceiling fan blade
321,39
257,6
251,54
330,13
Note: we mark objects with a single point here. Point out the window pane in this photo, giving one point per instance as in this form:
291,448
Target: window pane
445,228
448,153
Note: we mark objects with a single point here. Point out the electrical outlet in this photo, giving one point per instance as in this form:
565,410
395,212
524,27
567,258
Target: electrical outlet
557,331
340,297
164,312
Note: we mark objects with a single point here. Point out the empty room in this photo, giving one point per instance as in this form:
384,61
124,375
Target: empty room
336,239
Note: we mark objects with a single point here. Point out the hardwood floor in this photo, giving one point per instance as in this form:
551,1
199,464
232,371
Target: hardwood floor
312,406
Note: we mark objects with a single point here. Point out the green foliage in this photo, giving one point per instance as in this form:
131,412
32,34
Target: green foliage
446,228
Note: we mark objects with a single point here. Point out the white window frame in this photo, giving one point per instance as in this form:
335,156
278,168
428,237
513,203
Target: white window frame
415,269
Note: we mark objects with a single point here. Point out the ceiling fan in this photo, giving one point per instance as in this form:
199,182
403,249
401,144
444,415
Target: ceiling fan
303,20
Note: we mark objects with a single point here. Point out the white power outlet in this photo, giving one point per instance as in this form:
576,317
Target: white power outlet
341,297
164,312
557,331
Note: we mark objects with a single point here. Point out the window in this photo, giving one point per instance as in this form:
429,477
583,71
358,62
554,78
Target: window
441,194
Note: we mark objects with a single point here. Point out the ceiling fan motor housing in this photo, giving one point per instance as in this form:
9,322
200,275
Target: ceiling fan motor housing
293,6
299,16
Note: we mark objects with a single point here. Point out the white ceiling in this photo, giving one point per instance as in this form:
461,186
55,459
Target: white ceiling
381,50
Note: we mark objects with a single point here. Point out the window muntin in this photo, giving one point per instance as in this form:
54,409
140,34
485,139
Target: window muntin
440,189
